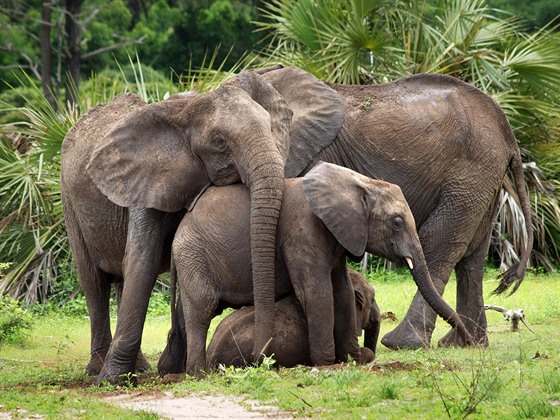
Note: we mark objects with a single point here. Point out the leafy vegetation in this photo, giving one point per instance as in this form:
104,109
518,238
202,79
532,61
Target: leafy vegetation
378,41
515,377
14,321
356,41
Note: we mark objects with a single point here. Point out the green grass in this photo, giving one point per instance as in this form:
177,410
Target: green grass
517,376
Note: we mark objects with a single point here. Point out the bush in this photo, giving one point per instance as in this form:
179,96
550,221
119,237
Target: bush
14,321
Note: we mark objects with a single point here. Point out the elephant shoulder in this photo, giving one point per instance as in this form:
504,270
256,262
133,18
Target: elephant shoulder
318,114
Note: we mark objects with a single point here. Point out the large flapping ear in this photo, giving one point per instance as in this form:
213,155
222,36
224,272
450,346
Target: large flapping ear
318,114
144,161
337,196
280,113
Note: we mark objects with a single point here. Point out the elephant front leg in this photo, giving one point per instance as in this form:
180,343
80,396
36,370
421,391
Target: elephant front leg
315,294
345,324
140,268
142,364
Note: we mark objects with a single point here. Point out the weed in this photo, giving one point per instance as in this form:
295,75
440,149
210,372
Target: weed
533,406
550,381
469,390
388,389
15,322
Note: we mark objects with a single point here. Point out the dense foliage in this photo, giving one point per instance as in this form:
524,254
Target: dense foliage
177,43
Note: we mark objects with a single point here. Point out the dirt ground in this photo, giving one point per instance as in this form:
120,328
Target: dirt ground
169,406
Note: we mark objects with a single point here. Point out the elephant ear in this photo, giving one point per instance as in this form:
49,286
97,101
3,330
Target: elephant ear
318,114
336,195
143,161
268,97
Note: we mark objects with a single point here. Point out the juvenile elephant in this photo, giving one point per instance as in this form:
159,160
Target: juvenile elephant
331,212
232,341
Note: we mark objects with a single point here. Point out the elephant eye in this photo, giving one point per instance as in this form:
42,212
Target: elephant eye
398,223
219,143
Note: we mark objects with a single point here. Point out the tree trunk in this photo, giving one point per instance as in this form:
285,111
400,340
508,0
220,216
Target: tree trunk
73,33
46,61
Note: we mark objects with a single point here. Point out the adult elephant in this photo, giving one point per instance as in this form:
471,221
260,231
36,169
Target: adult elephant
448,146
128,172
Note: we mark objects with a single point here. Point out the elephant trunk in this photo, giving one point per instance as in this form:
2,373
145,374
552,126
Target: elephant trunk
426,287
266,183
372,328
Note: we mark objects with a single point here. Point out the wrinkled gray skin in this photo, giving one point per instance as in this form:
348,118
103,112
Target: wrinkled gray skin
232,341
447,145
128,172
329,213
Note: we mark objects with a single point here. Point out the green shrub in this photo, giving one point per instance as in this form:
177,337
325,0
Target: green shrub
14,320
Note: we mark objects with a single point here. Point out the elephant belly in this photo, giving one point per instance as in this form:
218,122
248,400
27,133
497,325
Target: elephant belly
104,233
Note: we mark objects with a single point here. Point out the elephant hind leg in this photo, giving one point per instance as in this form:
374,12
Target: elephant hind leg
470,300
97,290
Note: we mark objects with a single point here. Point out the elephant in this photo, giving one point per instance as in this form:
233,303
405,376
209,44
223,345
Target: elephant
232,342
330,213
130,170
448,146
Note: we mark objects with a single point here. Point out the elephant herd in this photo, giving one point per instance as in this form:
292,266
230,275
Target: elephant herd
257,192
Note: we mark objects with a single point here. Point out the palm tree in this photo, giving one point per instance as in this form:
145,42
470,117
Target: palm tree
374,41
34,250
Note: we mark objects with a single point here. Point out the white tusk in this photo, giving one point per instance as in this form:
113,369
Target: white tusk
409,262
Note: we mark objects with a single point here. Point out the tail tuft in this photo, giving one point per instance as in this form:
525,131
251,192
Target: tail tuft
510,277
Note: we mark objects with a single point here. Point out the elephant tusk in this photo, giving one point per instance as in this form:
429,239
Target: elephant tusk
409,262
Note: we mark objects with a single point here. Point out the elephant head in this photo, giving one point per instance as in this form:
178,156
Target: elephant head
162,156
368,316
371,215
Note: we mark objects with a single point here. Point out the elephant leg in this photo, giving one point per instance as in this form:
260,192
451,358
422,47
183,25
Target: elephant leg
140,267
97,290
444,237
345,331
174,356
315,293
199,310
142,364
470,276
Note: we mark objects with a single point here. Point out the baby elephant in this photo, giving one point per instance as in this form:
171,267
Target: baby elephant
330,213
233,340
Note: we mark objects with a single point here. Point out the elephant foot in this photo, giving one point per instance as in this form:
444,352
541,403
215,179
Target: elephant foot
173,378
366,356
452,339
116,374
95,364
406,337
142,365
172,360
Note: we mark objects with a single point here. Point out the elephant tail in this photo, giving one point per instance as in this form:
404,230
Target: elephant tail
515,274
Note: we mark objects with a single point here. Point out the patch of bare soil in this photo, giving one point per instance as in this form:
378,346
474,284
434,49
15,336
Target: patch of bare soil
168,406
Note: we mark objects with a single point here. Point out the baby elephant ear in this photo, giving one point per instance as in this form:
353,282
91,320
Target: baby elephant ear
337,197
144,161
